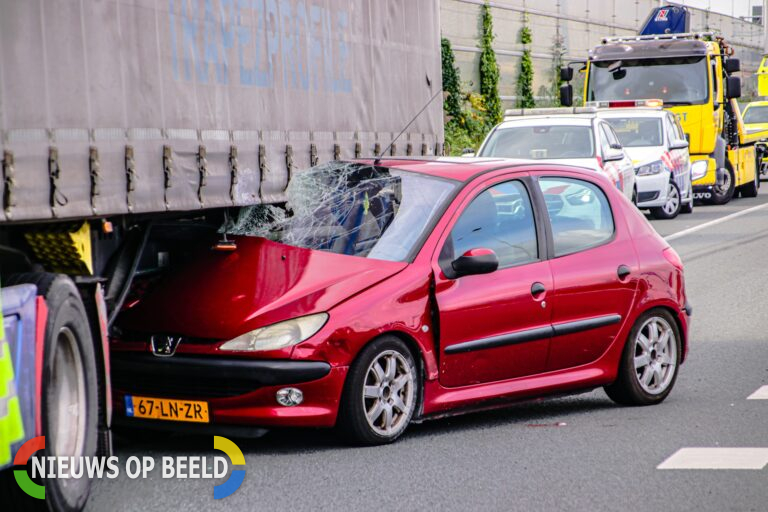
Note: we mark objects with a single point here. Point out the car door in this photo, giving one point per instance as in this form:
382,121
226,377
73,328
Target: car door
594,268
678,159
494,326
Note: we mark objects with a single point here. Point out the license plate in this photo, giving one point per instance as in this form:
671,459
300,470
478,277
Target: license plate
166,409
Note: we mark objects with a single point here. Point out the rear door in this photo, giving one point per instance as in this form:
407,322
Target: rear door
594,268
678,160
494,326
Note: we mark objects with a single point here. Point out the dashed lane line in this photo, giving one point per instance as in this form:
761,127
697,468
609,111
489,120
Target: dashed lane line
717,458
760,394
694,229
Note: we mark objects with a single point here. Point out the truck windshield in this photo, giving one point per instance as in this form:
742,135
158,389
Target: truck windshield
540,142
636,132
677,81
351,208
755,115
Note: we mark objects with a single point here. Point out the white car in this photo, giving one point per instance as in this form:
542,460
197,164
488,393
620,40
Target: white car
656,142
562,135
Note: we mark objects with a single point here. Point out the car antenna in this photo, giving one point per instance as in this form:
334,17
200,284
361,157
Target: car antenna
377,161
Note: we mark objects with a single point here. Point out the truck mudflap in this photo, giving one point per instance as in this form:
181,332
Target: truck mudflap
18,369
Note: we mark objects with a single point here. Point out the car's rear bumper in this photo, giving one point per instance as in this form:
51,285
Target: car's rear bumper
238,391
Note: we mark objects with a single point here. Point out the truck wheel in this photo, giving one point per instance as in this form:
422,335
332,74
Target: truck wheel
750,189
671,208
723,193
69,400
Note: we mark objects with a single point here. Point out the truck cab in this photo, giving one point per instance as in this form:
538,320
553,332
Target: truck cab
692,75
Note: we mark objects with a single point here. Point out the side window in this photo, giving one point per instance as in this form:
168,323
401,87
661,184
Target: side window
671,129
579,213
500,219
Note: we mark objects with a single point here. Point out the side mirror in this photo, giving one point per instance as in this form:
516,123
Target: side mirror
475,261
732,65
566,74
678,144
566,95
613,155
733,87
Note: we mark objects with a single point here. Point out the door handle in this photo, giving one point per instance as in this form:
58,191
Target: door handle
537,289
623,271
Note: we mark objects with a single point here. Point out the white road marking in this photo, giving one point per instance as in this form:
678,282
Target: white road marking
717,458
760,394
694,229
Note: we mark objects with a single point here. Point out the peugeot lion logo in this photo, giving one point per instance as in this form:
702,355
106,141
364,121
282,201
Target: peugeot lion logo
164,345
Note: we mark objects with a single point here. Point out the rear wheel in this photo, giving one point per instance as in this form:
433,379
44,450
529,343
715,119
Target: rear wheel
723,192
381,393
750,189
649,363
70,390
671,208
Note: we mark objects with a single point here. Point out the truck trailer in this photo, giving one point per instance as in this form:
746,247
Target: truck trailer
126,125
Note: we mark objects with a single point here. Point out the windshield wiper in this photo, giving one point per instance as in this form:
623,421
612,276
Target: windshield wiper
677,102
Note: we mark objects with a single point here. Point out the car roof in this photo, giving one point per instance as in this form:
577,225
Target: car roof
465,169
549,120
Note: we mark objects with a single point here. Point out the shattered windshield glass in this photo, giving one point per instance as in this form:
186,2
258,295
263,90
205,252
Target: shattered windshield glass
351,208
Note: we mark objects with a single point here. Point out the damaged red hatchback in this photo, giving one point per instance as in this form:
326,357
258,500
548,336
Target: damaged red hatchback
398,290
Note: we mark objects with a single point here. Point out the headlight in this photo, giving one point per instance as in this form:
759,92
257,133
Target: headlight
699,169
649,169
279,335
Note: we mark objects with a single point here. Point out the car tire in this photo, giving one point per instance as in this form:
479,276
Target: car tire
750,189
70,384
723,195
383,380
687,207
672,207
634,196
649,363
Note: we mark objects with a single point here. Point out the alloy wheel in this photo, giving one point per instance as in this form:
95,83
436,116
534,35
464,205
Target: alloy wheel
673,200
388,393
655,355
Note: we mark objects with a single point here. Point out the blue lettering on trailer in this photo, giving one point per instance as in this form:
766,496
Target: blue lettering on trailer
302,44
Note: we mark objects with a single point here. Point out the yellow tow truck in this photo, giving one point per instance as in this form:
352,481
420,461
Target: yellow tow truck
693,74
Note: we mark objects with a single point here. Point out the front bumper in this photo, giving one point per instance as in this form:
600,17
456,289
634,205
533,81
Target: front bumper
238,391
654,188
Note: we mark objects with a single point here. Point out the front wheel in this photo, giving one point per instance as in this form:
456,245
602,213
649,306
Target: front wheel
381,393
723,193
671,208
649,363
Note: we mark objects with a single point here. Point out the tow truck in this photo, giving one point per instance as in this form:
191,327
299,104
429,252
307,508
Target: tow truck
694,75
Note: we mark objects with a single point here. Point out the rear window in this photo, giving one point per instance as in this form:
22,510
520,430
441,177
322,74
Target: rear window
637,131
540,142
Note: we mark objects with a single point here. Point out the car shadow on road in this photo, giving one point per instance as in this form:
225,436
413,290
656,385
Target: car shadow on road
539,413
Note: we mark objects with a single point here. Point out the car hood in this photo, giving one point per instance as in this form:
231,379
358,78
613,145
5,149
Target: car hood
222,295
642,155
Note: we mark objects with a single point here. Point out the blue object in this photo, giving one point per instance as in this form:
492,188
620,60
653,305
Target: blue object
19,319
670,19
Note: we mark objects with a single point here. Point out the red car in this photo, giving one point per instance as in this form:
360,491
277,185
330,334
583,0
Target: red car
398,290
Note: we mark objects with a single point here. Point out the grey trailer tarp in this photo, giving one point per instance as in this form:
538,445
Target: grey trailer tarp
117,106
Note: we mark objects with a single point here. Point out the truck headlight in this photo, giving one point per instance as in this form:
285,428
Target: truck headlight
699,169
279,335
650,169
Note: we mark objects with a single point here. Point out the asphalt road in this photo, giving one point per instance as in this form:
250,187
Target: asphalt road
575,453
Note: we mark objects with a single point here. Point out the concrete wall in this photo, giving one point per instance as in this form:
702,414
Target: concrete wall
579,25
